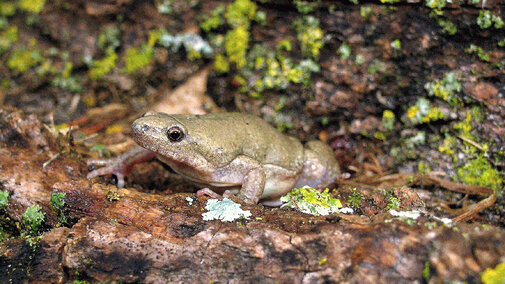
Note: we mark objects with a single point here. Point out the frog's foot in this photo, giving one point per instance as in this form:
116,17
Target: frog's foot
210,193
120,166
111,167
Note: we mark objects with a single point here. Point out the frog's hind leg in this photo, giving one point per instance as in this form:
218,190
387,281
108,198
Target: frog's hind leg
320,167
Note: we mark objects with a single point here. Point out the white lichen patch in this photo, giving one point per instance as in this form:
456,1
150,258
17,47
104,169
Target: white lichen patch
190,200
346,210
224,210
405,214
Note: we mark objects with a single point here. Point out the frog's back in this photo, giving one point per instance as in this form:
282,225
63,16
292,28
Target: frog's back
223,136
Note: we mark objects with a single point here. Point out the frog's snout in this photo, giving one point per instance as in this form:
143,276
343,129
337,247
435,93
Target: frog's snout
140,129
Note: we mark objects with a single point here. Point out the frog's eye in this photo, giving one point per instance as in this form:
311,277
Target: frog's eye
175,134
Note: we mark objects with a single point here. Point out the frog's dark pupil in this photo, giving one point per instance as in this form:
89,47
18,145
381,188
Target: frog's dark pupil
175,134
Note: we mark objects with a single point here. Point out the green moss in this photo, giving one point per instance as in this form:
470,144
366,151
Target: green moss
305,7
103,66
376,66
426,271
344,51
396,44
447,26
109,38
65,81
355,198
214,20
436,4
486,20
310,36
365,11
4,199
165,6
445,89
7,8
393,203
57,200
33,6
494,275
7,38
311,201
480,172
33,219
481,54
236,44
23,59
360,59
240,13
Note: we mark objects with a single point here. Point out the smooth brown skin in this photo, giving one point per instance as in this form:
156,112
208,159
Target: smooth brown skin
228,151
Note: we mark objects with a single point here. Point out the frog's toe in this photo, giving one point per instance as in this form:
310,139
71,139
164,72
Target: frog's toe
110,170
208,192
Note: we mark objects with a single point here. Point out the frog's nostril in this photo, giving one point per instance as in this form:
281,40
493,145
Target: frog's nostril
145,128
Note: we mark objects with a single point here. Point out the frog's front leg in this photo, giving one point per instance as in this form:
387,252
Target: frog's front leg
253,186
122,165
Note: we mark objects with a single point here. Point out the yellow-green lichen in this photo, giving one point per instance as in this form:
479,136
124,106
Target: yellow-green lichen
311,201
310,36
448,145
214,20
388,120
240,13
138,58
221,64
7,8
423,168
494,275
423,112
236,44
33,6
355,198
480,172
103,66
7,38
465,127
445,89
23,59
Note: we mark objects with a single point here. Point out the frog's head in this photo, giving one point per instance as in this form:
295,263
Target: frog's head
165,135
